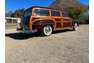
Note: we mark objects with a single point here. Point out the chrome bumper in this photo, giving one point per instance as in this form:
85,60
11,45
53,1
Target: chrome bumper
23,30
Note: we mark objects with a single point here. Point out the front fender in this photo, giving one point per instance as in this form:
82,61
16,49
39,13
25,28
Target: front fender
75,21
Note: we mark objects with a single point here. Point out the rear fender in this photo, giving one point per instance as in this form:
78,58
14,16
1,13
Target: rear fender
39,25
43,22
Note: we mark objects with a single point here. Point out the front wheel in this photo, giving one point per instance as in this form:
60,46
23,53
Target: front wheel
75,27
47,30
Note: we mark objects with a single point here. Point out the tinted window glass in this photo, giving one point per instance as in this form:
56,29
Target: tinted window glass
28,12
54,13
39,12
64,14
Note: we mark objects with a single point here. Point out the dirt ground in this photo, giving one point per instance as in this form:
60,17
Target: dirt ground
11,26
60,47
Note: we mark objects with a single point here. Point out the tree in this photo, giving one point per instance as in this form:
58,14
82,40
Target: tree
9,14
19,13
76,12
86,18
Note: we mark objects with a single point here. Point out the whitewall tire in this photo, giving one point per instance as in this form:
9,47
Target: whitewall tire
47,30
75,27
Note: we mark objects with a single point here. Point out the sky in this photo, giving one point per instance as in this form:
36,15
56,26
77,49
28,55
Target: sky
16,4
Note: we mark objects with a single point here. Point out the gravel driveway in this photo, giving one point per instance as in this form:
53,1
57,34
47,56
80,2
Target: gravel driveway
61,47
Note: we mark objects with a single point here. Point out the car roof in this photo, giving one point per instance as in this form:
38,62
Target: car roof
44,8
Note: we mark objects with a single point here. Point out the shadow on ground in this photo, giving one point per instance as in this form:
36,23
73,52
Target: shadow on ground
21,36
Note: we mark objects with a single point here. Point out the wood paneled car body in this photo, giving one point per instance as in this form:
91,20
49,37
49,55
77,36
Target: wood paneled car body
46,20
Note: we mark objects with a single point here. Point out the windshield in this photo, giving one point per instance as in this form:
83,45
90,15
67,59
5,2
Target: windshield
40,12
28,12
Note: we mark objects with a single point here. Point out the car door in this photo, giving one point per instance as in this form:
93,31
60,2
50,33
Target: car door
67,23
58,19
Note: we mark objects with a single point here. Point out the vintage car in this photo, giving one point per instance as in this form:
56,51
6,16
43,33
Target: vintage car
46,20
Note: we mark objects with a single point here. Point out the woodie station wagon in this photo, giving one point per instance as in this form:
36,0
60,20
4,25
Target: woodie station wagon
46,20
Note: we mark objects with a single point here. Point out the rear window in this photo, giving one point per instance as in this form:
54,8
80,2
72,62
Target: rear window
64,14
55,13
40,12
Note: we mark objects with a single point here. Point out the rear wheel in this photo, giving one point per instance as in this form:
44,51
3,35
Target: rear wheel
75,27
47,30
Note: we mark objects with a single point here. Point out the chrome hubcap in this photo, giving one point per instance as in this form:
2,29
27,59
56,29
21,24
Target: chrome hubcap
47,30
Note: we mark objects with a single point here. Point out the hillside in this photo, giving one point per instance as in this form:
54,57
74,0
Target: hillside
66,3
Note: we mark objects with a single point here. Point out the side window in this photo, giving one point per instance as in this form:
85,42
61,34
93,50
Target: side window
55,13
64,14
40,12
